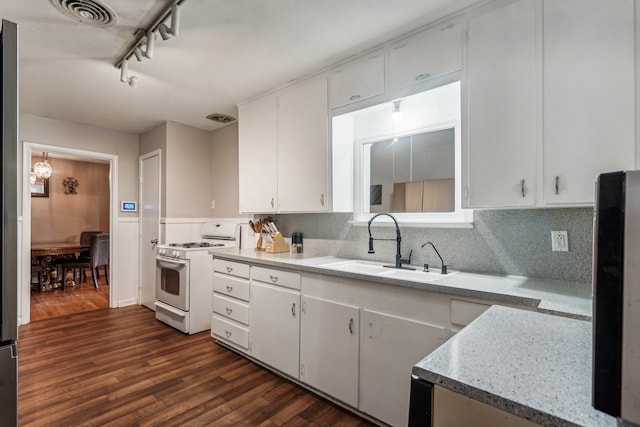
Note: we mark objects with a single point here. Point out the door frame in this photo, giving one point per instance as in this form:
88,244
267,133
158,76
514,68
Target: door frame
141,159
24,242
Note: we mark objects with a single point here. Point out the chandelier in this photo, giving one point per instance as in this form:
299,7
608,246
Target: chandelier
43,169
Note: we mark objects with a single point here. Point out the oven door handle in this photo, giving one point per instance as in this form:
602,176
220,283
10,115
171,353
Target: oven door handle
163,262
170,309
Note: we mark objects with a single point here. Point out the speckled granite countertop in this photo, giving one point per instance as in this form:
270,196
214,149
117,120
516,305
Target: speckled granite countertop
567,299
529,364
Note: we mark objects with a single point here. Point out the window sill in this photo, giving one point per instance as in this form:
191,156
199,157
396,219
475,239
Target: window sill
454,220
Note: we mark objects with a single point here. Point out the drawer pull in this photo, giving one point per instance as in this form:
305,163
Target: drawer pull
274,279
229,289
229,310
229,269
422,76
228,333
354,97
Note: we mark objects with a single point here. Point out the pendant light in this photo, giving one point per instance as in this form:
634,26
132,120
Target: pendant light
42,169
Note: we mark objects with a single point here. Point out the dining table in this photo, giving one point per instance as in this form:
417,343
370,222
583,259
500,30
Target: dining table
48,253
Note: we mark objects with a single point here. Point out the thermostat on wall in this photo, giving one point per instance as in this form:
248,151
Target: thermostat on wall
126,206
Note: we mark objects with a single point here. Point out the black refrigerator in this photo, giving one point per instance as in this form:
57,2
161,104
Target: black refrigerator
8,232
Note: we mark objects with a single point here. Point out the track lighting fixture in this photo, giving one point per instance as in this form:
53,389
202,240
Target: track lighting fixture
165,32
124,74
143,46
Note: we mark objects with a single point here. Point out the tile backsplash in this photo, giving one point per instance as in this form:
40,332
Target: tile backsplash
501,242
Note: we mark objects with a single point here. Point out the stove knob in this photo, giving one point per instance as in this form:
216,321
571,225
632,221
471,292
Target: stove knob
162,251
176,254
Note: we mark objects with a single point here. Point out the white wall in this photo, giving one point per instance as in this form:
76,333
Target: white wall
224,167
58,133
188,172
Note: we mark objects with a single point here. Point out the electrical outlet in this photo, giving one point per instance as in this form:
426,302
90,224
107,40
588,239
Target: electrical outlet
559,241
213,204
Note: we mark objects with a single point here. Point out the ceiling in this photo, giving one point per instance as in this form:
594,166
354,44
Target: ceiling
227,51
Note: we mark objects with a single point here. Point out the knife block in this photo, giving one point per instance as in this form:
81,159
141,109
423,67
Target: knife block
277,244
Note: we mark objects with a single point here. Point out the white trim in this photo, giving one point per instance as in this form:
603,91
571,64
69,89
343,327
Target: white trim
24,245
128,219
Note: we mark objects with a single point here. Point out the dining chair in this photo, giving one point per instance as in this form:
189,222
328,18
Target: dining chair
98,257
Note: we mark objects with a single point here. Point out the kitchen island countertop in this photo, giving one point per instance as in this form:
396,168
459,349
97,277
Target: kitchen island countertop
532,365
568,299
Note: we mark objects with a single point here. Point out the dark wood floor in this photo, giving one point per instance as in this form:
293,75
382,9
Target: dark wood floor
63,301
121,367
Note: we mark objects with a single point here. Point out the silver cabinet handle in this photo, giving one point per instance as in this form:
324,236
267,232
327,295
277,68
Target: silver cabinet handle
229,310
228,333
354,97
522,188
154,241
422,76
274,279
293,309
557,184
322,199
272,202
229,289
351,326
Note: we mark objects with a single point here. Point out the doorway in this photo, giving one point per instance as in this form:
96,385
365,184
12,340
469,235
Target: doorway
25,226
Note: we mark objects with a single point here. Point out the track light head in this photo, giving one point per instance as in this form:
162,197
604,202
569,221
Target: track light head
137,51
133,81
151,38
124,74
164,32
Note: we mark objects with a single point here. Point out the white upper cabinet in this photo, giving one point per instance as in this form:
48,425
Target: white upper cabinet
428,55
257,155
358,80
589,95
303,147
283,150
500,149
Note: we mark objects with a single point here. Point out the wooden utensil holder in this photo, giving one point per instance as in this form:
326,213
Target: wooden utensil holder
277,245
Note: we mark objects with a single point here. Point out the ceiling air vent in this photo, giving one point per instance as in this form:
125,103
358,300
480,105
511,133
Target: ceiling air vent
88,11
221,118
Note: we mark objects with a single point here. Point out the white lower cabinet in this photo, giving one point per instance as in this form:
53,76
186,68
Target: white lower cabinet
329,348
390,346
230,319
275,327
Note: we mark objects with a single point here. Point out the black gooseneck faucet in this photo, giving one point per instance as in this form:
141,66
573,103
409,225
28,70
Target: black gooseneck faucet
443,270
398,239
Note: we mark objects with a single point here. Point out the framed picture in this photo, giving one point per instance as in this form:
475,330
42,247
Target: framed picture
40,188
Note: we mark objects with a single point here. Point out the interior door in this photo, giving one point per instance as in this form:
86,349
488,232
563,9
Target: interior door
149,225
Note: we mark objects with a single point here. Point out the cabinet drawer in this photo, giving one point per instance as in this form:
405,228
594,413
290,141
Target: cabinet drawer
231,286
233,309
276,277
230,267
465,312
226,330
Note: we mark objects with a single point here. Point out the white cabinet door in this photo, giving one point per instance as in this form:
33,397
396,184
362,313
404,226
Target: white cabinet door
275,327
258,155
426,56
303,148
358,80
500,152
329,343
588,95
389,348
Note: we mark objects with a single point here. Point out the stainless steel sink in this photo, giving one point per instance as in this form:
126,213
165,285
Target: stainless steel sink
357,266
377,269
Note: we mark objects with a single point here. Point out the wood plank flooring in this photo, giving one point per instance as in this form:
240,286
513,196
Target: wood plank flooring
121,367
63,301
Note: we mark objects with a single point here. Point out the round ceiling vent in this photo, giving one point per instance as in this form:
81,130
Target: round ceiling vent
88,11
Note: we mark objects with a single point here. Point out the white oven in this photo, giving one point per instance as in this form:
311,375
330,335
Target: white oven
172,282
184,274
